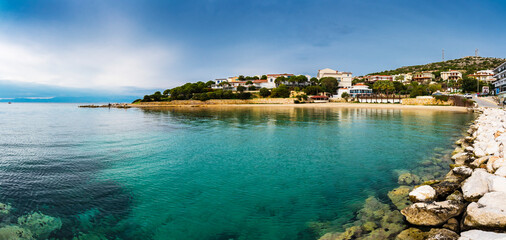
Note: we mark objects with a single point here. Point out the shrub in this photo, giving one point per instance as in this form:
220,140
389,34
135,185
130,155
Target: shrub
264,92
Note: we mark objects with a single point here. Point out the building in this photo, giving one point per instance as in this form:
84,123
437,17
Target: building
423,77
344,79
374,78
319,99
500,83
484,75
358,89
271,79
403,77
451,75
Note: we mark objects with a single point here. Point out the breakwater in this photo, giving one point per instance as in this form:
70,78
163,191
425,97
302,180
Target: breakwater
467,203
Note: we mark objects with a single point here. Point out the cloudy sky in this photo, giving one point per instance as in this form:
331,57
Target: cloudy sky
118,45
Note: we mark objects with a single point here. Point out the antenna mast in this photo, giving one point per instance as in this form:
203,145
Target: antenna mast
476,52
443,55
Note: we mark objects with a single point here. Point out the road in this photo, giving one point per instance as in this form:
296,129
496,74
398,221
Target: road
484,102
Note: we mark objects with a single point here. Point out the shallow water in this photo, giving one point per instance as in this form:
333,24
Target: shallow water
198,173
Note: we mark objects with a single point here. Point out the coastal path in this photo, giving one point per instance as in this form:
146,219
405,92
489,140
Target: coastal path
484,102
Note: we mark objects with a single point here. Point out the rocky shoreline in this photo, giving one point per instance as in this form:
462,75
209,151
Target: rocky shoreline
468,203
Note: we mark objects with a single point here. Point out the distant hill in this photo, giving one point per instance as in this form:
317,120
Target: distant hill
469,64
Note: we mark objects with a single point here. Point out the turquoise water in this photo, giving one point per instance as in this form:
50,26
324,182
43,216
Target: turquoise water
221,173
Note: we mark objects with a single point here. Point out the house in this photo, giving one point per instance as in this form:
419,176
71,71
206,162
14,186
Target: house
343,78
484,75
423,77
374,78
358,89
500,83
403,77
271,79
451,75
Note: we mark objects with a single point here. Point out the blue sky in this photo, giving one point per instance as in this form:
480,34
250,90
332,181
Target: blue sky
127,46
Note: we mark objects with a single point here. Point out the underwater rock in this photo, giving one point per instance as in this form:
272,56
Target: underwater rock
15,233
441,233
373,210
411,234
408,179
351,233
422,194
327,236
369,226
488,212
39,224
399,197
92,236
432,214
481,235
476,186
4,209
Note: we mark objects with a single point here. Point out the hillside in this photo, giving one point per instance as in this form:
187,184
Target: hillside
469,64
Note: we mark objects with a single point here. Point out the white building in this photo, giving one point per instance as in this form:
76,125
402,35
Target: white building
358,89
451,75
484,75
343,78
271,79
500,83
403,77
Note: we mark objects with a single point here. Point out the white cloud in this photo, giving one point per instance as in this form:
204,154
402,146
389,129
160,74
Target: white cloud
104,62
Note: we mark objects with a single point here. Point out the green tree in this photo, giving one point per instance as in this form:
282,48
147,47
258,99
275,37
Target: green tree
312,90
345,95
280,92
279,80
264,77
264,92
252,88
249,82
166,92
314,81
241,78
241,88
384,86
329,84
433,88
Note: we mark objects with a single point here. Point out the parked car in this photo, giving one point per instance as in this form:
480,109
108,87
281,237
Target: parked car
468,96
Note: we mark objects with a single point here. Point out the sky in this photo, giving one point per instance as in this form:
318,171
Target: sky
132,47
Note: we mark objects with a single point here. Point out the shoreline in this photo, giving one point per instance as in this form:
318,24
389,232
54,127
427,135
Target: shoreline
311,105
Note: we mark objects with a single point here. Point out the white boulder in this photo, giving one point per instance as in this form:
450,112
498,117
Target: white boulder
497,184
501,171
476,186
488,212
481,235
422,194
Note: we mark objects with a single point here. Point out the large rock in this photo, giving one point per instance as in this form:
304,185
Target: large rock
422,194
501,171
478,152
463,171
441,233
489,212
446,187
481,235
476,186
497,184
495,163
432,214
452,224
477,162
4,209
460,158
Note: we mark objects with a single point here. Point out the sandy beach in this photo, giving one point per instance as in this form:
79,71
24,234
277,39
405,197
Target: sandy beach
313,105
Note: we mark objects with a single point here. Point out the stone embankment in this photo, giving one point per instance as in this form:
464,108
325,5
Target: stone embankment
469,203
111,105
